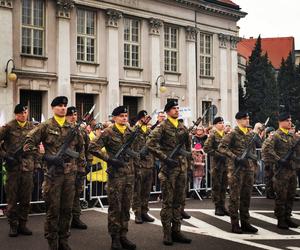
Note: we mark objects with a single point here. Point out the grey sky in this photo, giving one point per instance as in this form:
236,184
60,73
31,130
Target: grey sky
270,18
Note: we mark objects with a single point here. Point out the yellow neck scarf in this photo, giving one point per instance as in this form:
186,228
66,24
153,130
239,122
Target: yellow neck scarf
173,121
21,124
60,120
221,133
284,130
121,128
144,128
244,130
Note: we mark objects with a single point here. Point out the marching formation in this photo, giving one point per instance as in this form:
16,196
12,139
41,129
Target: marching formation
66,149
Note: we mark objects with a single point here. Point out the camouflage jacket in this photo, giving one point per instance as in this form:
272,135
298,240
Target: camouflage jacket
53,136
13,136
112,139
165,138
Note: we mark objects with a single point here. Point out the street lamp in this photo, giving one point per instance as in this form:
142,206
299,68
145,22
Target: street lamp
162,87
10,75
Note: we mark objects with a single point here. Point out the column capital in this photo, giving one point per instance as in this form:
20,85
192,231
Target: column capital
223,39
155,25
191,33
6,4
64,8
234,41
113,16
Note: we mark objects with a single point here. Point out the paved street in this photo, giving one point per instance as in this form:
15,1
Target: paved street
206,230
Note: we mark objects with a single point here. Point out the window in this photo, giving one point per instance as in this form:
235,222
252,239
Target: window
205,106
205,54
86,35
33,27
171,49
131,42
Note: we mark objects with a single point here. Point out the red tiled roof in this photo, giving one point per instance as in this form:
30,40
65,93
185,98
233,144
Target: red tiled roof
277,48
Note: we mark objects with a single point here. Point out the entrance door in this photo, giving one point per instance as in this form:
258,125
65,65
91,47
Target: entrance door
33,99
131,103
84,102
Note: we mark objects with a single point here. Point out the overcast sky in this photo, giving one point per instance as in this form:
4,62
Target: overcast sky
270,18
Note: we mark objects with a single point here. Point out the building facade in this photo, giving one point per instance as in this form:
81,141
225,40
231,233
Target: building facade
116,52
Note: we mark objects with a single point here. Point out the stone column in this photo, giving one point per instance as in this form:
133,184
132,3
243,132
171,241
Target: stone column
155,65
223,40
191,36
113,88
63,9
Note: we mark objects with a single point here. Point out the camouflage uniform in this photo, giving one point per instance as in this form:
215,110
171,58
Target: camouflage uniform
19,175
59,188
232,146
161,142
218,168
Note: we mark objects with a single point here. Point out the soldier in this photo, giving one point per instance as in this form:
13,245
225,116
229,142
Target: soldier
284,180
218,167
19,167
173,172
143,172
121,177
71,117
59,179
240,182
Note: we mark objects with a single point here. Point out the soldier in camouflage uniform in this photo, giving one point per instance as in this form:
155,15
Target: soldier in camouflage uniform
143,172
71,117
19,169
285,179
120,179
218,166
240,182
59,181
173,172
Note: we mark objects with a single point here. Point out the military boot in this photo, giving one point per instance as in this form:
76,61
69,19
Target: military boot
219,211
226,212
290,223
127,244
77,223
22,229
185,215
235,227
247,227
282,224
115,242
13,231
179,237
167,240
52,244
63,245
138,218
146,217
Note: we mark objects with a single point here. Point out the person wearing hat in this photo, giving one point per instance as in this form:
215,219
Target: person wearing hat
240,182
120,178
59,183
218,167
285,179
71,117
143,171
19,169
173,172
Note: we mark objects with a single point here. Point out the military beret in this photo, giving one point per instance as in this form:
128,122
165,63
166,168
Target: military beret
217,120
284,116
59,100
241,114
170,104
141,114
119,110
71,110
20,108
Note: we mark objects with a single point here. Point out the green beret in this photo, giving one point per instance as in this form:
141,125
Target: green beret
119,110
20,108
170,104
59,100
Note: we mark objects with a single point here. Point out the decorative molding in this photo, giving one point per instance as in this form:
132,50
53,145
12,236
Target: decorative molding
191,33
113,16
64,7
234,41
6,4
223,39
35,74
155,25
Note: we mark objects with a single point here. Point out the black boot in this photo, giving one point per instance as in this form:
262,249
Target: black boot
179,237
282,224
127,244
167,239
63,245
290,223
226,212
138,218
77,223
219,211
147,218
247,227
235,227
22,229
184,215
115,242
13,231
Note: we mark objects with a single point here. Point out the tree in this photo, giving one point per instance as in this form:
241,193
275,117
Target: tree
241,97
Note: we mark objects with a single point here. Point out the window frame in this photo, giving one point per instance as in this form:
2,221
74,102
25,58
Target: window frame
169,49
204,56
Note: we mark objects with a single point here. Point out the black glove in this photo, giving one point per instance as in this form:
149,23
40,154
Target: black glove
171,163
283,163
10,161
115,162
53,160
240,161
143,153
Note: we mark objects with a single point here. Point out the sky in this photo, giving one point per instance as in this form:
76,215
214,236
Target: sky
270,18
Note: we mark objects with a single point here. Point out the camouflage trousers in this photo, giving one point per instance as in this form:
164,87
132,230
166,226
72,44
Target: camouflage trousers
142,188
76,209
219,185
18,188
173,187
240,187
285,184
119,194
58,194
268,178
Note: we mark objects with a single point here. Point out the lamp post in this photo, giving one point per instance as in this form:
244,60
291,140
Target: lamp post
10,75
162,87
